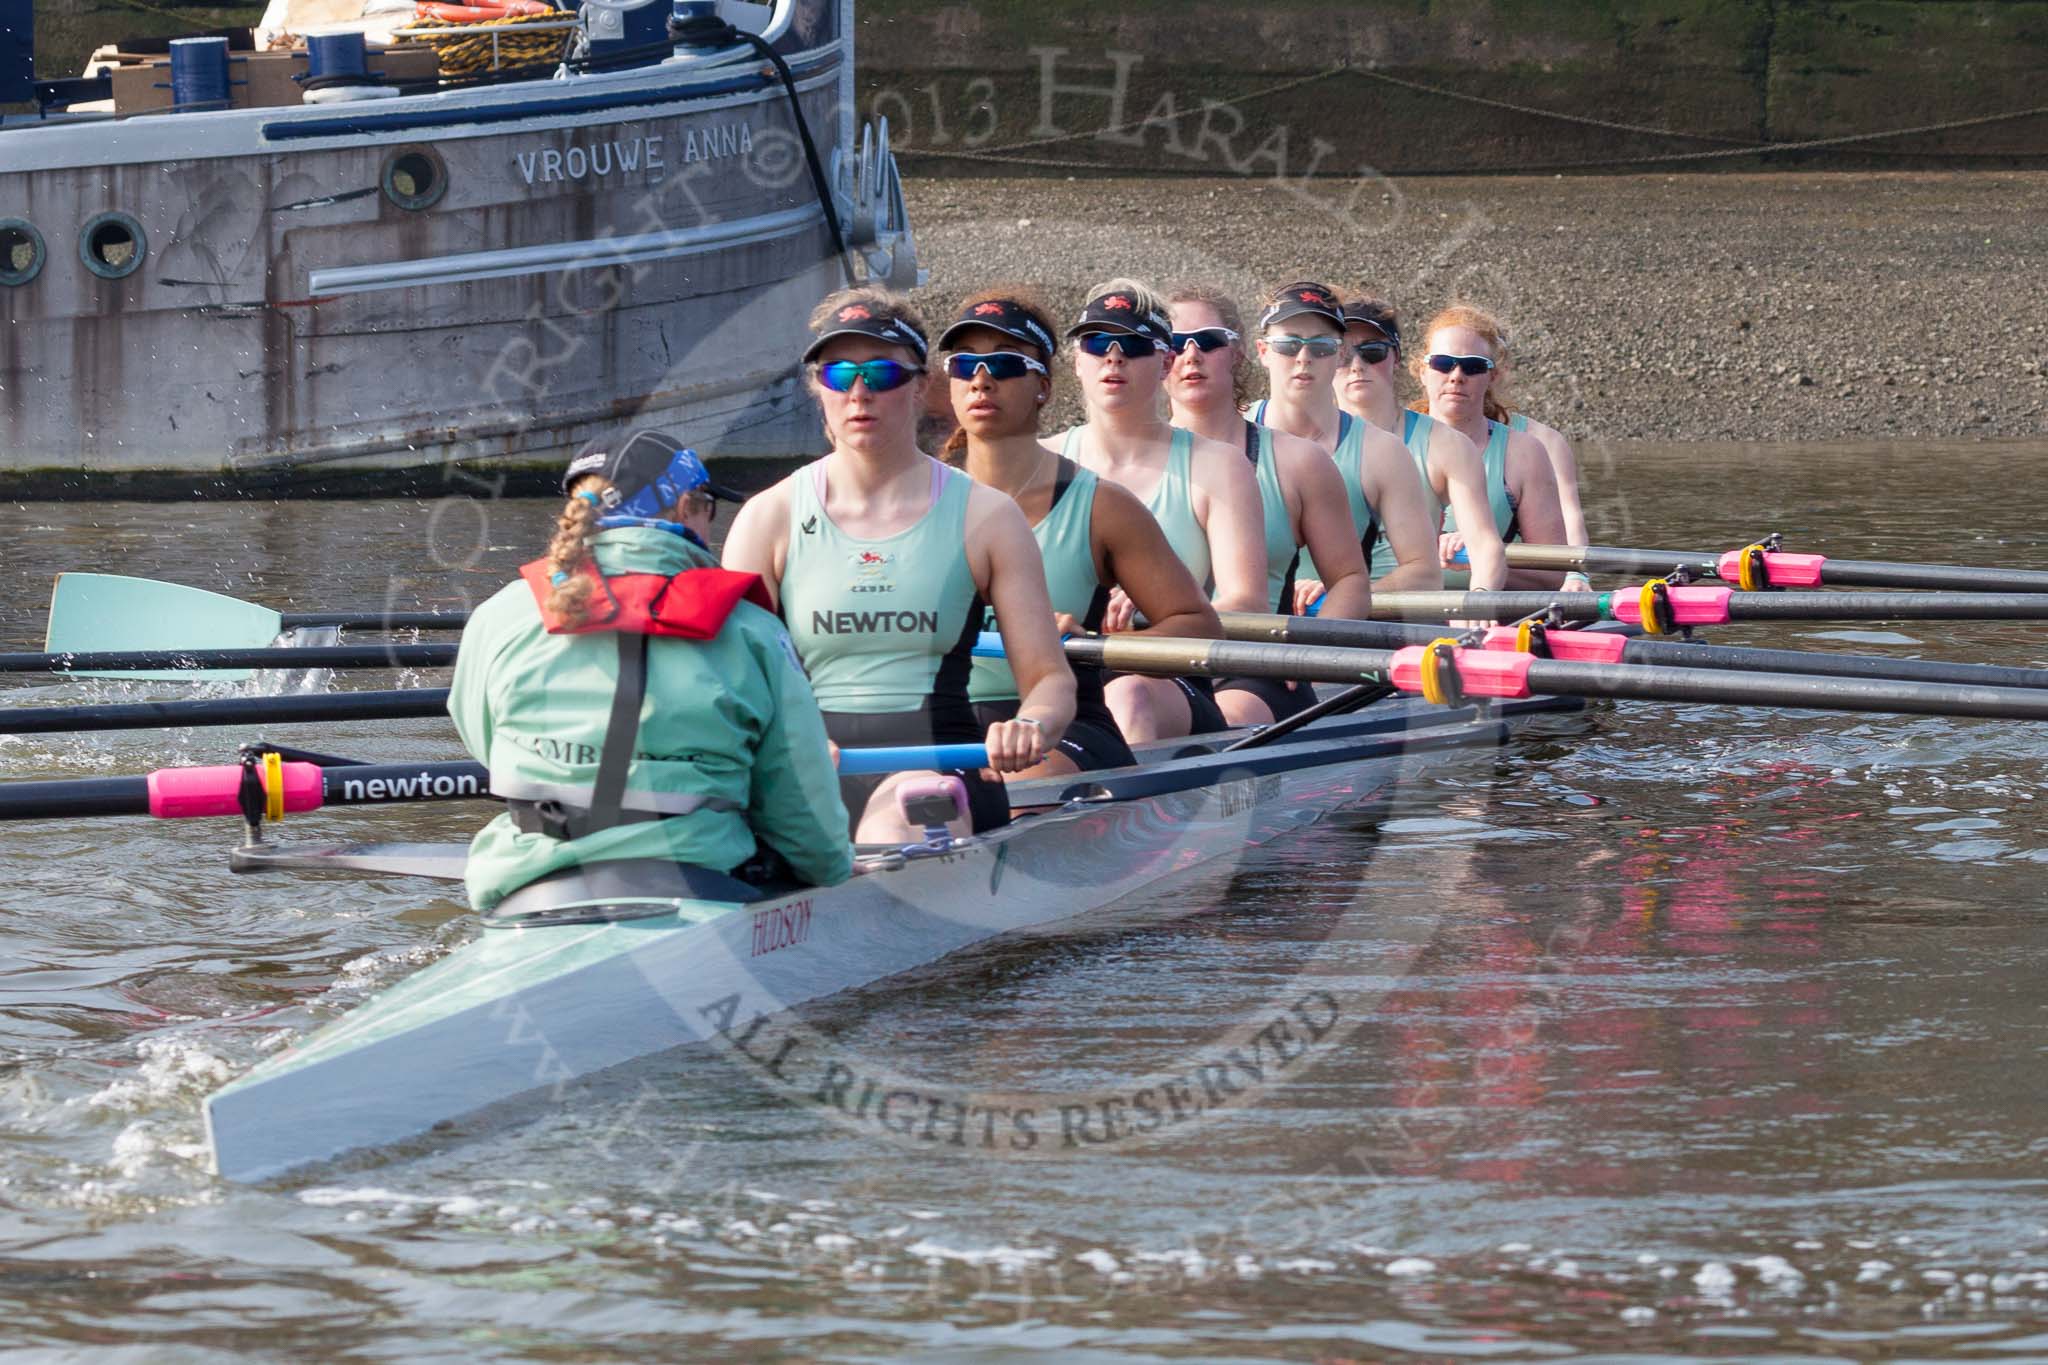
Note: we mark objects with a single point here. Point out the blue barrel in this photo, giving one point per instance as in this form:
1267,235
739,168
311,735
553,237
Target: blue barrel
337,57
625,32
199,73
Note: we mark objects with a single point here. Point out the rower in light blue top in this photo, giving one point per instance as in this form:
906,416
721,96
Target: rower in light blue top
1203,495
1301,340
1304,505
1096,538
1368,386
882,560
1458,373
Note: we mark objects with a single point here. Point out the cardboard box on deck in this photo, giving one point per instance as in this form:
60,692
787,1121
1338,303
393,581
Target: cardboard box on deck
257,80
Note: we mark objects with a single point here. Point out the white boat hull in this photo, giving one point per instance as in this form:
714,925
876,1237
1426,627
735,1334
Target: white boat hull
524,1010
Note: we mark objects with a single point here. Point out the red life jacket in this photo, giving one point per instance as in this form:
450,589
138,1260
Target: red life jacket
691,605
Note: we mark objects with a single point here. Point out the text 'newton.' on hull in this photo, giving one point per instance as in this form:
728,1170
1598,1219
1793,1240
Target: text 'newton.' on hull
356,238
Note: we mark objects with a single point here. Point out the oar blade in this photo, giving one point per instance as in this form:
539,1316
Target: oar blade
93,612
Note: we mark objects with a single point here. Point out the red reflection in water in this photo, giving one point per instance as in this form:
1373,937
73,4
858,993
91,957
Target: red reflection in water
1533,1013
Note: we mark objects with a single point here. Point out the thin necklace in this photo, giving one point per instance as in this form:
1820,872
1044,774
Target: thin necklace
1017,494
1316,431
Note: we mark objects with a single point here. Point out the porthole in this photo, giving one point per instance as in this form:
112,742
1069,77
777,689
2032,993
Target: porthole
21,251
415,178
112,245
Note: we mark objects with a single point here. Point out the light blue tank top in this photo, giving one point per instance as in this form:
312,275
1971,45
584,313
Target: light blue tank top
1066,541
885,625
1281,545
1350,459
1172,503
1415,433
1495,458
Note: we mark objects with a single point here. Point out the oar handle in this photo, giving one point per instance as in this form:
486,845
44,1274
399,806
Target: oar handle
911,758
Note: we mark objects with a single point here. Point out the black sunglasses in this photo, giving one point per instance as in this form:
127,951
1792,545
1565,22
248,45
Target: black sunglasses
999,364
1319,347
1372,352
1128,346
1203,339
1465,364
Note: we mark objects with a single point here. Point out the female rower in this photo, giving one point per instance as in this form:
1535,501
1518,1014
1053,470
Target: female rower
1093,534
727,747
883,560
1302,496
1300,335
1459,372
1201,492
1564,463
1368,375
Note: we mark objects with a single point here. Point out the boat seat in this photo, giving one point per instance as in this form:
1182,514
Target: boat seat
619,888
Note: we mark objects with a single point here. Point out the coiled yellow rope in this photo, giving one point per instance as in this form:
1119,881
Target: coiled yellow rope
467,54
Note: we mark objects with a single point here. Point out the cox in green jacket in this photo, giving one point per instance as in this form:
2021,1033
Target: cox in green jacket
730,736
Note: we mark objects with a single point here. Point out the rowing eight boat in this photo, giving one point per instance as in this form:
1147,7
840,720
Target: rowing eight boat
531,1007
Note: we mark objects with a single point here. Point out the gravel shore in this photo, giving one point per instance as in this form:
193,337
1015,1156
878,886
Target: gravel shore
1782,307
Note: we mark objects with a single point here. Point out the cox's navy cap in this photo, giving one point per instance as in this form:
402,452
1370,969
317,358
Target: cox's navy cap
644,460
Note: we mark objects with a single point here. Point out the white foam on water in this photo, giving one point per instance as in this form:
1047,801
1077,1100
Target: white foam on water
1193,1262
1714,1279
1100,1261
1776,1272
134,1149
1411,1267
334,1196
170,1067
1002,1258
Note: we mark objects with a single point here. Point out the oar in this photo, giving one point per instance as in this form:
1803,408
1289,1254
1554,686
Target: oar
1711,606
1350,699
179,793
97,613
1491,673
150,715
1777,568
1608,647
100,611
187,661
